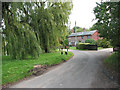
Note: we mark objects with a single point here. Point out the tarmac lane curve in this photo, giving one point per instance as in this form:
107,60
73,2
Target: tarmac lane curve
83,70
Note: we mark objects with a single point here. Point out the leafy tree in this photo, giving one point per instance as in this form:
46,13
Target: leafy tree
103,43
21,40
108,21
32,26
79,29
51,23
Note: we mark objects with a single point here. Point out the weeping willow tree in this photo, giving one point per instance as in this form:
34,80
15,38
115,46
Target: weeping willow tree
34,26
19,36
50,22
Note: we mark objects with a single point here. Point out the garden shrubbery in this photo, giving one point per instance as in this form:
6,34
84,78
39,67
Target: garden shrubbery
91,44
103,43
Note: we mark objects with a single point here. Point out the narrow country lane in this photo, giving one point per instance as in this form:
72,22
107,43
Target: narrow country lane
83,70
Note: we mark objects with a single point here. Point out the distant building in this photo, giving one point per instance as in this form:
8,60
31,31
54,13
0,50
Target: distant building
74,38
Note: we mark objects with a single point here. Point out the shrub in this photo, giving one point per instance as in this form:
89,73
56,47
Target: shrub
103,43
91,41
99,42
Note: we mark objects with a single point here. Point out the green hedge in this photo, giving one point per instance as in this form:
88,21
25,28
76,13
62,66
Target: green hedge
86,46
80,45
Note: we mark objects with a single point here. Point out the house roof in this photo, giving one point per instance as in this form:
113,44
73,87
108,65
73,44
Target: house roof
83,33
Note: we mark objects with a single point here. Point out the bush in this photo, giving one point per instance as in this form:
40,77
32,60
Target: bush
103,43
86,46
91,41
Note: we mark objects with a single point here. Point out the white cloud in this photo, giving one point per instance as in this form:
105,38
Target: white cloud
82,13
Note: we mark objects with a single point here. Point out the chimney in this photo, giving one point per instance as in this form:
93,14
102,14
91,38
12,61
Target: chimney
84,30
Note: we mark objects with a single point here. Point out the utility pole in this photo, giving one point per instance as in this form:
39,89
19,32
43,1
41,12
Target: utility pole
75,35
75,27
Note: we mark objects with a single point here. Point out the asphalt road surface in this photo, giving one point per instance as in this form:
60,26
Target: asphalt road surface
83,70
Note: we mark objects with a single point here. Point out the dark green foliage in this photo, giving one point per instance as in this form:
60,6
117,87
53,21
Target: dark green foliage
108,24
103,43
108,21
91,41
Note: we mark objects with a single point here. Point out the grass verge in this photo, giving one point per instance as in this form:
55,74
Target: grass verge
14,70
99,48
113,62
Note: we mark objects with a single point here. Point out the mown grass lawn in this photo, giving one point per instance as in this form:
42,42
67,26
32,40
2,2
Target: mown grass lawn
72,48
14,70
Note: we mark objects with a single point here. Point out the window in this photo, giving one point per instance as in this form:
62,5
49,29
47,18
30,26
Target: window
88,37
82,37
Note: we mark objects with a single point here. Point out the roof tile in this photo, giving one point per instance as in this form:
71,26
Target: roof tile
83,33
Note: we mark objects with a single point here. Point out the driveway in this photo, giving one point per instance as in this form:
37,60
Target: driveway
83,70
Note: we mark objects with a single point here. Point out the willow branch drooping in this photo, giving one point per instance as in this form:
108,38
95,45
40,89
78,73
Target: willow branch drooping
30,27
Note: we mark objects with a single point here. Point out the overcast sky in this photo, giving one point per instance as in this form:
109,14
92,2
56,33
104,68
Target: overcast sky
82,13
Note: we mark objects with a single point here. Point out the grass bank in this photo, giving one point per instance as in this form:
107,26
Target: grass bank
14,70
113,62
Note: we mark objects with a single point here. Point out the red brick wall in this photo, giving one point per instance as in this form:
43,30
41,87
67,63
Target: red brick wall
95,36
79,38
85,37
71,39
